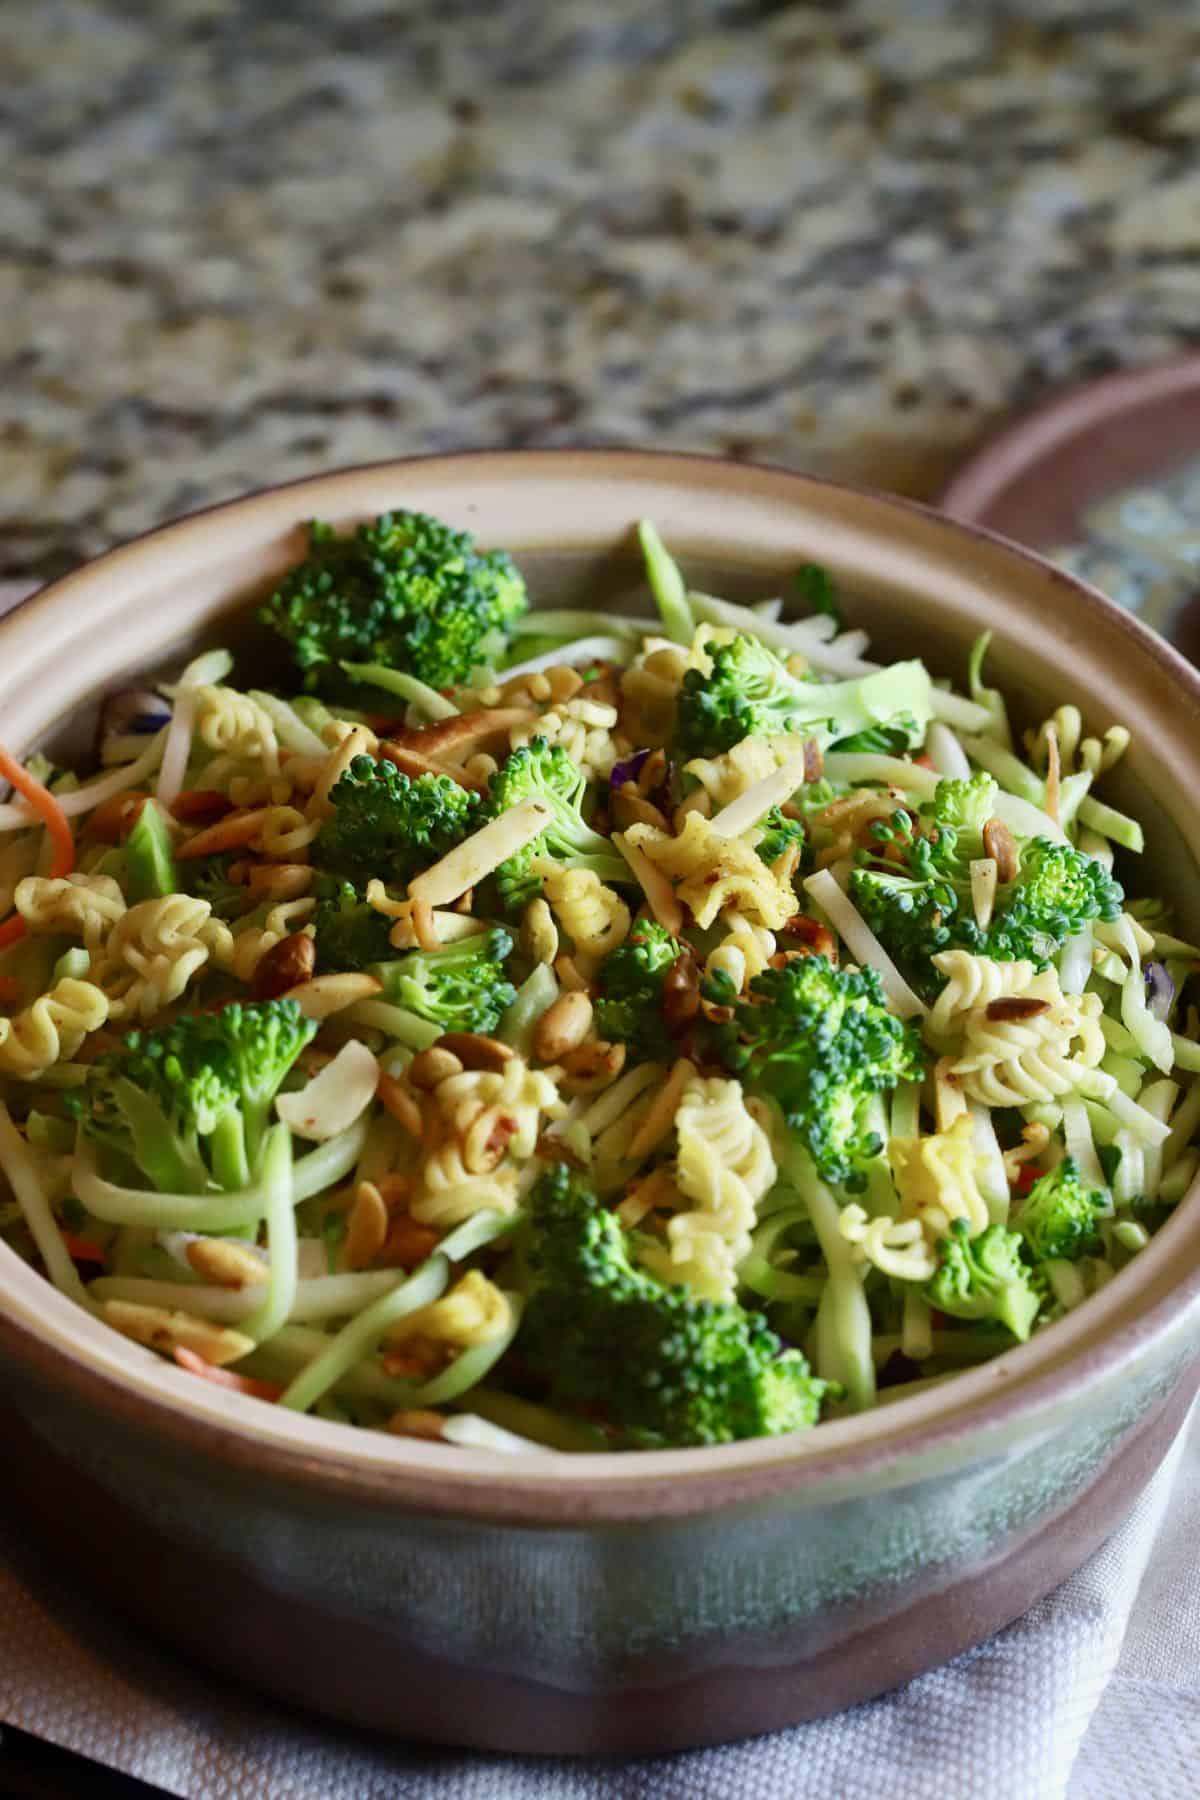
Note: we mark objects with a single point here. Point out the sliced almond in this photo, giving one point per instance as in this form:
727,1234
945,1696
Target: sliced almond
450,740
476,1051
330,993
366,1227
416,1423
397,1100
230,833
658,1121
429,1067
163,1330
408,1244
413,764
226,1265
1001,846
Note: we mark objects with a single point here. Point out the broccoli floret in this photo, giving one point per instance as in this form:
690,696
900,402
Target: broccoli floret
1057,892
189,1104
207,877
629,1009
349,933
461,987
388,824
777,834
820,1041
406,591
749,692
984,1278
541,771
661,1367
1059,1215
921,902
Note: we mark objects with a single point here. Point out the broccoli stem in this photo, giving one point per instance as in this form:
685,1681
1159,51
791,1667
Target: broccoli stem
406,687
150,872
280,1205
667,586
230,1163
22,1176
320,1169
1112,824
843,1327
360,1336
536,993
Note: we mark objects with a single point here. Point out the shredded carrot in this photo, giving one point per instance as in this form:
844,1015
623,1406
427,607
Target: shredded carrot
56,823
226,1378
81,1249
1029,1173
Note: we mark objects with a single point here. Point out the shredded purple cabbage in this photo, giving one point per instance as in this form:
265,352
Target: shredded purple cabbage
1160,990
661,795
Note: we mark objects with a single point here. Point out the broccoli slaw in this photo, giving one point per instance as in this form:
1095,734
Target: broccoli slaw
574,1031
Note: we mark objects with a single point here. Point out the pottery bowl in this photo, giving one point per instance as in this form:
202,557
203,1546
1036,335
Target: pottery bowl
614,1602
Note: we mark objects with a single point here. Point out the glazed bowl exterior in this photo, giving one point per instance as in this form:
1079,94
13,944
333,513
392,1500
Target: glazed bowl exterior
639,1602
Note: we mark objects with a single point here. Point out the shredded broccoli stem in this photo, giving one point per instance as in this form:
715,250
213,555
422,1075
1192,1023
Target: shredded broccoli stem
280,1209
361,1335
536,994
407,687
22,1176
320,1169
667,586
843,1327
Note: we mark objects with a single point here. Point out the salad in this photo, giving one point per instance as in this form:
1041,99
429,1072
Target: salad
570,1031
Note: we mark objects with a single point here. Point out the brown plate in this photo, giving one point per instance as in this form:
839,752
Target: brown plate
1105,480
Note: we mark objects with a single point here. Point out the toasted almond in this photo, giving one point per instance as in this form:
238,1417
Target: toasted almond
279,881
414,764
416,1423
815,937
681,992
554,1149
366,1227
397,1100
230,833
562,1027
570,976
330,993
629,807
475,1051
592,1067
201,806
408,1244
1000,845
114,818
282,967
227,1265
1014,1007
451,740
652,772
163,1330
430,1066
658,1121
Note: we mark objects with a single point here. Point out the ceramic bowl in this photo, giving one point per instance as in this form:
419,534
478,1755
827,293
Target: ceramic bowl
637,1602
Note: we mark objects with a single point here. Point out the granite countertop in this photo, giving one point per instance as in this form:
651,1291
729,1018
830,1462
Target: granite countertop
243,242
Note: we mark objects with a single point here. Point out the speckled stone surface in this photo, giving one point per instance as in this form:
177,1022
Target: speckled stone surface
241,243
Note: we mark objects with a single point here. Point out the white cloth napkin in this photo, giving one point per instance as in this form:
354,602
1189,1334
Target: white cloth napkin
1094,1695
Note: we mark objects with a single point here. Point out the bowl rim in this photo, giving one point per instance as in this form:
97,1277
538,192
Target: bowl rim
65,1347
